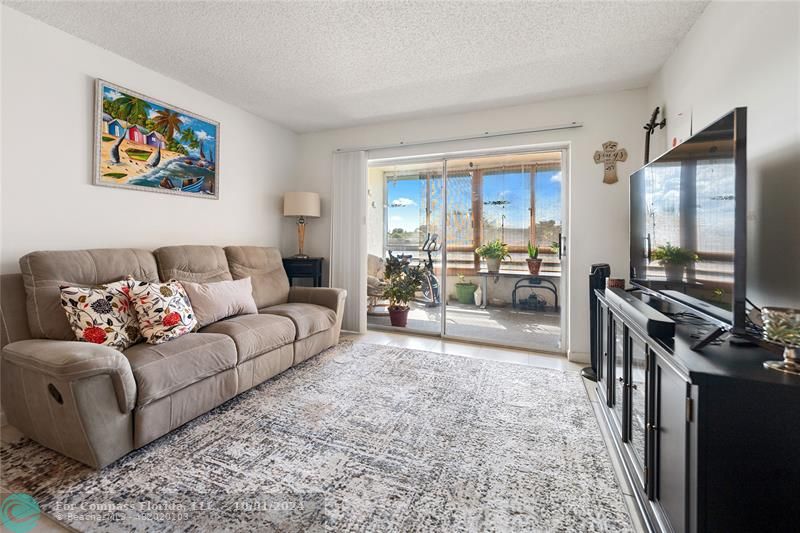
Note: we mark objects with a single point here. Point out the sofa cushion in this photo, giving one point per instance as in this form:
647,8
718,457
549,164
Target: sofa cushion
214,301
201,264
45,272
265,267
308,318
255,334
161,369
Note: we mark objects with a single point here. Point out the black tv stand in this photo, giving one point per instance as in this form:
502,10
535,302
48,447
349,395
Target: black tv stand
708,338
696,434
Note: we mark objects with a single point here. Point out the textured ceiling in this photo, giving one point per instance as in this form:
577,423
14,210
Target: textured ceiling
312,65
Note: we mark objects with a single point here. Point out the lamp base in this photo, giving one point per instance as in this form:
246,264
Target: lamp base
300,256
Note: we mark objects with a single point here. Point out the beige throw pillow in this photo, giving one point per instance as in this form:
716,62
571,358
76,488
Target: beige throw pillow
214,301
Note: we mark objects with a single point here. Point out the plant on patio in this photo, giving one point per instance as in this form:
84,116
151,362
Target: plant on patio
674,259
465,290
402,282
534,263
493,252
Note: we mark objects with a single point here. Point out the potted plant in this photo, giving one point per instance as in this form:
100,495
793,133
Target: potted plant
402,283
534,263
494,252
465,290
674,260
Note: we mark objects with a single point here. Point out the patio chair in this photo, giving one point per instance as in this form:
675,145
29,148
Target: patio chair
375,285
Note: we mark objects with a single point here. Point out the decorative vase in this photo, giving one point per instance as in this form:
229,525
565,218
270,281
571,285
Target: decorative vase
534,265
674,272
465,292
782,326
493,264
398,316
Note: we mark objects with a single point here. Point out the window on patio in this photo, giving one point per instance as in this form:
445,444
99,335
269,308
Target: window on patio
515,203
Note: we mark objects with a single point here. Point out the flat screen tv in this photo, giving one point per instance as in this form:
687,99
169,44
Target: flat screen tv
687,226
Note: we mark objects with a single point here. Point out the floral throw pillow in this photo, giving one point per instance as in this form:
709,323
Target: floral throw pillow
163,310
102,315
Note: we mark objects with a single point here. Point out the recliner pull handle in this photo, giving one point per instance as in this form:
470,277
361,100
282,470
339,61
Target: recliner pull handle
54,393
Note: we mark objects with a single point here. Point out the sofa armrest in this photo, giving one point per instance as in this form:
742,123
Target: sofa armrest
75,360
324,296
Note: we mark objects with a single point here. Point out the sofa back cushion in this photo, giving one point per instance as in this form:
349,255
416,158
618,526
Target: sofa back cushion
43,274
13,311
264,266
200,264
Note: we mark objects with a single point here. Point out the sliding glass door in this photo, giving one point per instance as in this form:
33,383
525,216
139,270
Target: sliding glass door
499,205
404,222
505,201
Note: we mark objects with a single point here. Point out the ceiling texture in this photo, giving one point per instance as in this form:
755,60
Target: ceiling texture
314,65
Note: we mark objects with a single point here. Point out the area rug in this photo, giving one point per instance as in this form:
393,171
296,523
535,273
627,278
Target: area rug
360,438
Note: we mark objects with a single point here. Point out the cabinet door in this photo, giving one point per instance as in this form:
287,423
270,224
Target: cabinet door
639,357
603,328
617,355
671,432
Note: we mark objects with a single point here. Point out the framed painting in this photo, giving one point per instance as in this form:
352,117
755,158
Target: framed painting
145,144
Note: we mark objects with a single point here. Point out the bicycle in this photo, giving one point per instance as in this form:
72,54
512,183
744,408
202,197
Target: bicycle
431,290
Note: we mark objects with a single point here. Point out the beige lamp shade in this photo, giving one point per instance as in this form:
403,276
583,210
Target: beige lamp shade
301,204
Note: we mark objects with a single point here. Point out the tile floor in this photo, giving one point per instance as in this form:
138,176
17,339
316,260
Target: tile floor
523,357
516,327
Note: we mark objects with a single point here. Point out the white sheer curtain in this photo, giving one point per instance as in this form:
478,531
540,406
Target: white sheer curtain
349,235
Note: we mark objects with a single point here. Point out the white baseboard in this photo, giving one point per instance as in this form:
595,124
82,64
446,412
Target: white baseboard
579,357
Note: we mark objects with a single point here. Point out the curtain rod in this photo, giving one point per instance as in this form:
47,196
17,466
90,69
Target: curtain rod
484,135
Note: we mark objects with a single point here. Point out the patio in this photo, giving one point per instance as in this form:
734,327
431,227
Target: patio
533,330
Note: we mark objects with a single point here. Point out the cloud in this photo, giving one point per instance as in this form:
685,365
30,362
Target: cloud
203,136
112,94
403,202
555,178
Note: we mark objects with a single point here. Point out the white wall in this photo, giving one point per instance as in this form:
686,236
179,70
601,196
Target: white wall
48,201
748,54
598,212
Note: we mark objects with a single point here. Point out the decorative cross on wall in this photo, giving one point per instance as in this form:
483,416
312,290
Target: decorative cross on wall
609,157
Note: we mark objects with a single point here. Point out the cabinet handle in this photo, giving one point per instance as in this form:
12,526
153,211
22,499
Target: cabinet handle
651,427
634,387
620,380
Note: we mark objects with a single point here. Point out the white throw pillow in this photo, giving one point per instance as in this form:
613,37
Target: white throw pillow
214,301
163,310
102,315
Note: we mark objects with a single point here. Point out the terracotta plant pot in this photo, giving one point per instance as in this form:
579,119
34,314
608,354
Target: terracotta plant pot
493,264
398,316
465,292
534,265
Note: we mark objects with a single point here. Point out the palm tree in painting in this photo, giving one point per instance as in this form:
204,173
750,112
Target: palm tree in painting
132,108
168,122
189,137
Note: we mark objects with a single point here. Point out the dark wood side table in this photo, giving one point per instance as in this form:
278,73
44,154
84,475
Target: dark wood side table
310,267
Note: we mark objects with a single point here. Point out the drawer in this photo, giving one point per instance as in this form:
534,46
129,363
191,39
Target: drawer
301,269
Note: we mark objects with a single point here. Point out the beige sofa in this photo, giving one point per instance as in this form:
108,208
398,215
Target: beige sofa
96,404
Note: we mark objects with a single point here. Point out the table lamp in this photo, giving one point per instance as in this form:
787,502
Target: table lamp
301,205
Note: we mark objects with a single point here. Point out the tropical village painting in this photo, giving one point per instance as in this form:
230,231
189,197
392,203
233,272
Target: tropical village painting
145,144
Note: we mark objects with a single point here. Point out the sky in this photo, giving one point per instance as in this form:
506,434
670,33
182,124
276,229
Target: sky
205,132
406,199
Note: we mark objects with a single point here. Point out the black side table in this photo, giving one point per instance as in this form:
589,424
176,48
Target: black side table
310,267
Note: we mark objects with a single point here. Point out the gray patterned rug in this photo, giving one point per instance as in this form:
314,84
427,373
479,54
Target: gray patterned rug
359,438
